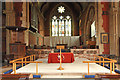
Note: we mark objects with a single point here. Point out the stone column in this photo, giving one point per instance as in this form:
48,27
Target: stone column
24,15
27,25
114,33
116,36
10,21
103,26
119,25
105,16
100,28
96,22
25,21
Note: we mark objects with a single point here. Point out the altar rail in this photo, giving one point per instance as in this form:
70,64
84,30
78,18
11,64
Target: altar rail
102,60
85,51
31,57
20,60
40,52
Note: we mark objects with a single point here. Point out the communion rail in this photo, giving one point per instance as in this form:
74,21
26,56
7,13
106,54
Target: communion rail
24,60
102,60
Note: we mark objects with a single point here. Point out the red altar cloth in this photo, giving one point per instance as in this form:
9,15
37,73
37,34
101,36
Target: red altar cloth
66,58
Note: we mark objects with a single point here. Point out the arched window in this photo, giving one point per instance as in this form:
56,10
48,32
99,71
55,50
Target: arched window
93,30
61,24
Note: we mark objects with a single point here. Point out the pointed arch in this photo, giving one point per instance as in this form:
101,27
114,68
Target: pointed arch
90,18
61,27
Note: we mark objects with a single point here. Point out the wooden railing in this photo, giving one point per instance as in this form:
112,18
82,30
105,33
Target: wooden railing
85,51
40,52
31,57
24,60
111,61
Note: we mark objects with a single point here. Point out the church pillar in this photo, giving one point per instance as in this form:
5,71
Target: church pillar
96,22
119,26
27,25
105,16
114,27
100,28
25,21
115,10
18,10
22,19
10,21
102,19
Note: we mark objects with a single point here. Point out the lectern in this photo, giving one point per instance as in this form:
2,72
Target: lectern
62,46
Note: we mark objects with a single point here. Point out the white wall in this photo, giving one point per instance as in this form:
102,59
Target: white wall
69,40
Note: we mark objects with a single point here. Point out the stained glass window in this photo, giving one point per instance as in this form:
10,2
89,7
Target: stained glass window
56,28
53,28
61,25
66,27
60,28
69,27
61,9
93,32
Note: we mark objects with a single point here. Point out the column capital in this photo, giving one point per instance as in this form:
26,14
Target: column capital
115,10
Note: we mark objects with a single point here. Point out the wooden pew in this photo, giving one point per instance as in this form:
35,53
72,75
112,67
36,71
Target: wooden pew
115,76
17,76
